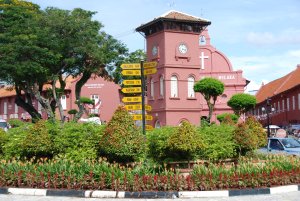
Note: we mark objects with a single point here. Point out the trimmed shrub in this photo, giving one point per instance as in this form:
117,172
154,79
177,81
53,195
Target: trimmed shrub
184,142
218,142
227,118
158,149
79,141
3,139
122,141
15,122
249,136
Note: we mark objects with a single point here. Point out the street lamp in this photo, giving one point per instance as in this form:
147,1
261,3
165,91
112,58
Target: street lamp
268,109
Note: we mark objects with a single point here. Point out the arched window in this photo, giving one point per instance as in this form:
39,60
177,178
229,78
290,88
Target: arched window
174,87
151,88
157,124
202,40
161,85
191,82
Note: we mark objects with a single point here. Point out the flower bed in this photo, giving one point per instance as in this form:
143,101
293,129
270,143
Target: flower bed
101,175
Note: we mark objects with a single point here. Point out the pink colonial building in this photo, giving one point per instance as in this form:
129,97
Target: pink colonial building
181,45
105,94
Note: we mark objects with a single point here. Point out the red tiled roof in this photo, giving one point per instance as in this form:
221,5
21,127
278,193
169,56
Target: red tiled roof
8,91
181,16
278,86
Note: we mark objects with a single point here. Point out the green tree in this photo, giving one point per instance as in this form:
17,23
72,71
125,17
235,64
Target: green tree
241,103
210,88
122,141
24,58
227,116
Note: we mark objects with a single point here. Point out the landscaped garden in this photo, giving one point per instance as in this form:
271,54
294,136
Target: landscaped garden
117,156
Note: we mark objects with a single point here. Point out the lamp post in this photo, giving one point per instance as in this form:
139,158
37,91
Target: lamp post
268,110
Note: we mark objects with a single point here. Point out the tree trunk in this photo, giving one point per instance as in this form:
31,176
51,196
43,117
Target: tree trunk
85,77
57,100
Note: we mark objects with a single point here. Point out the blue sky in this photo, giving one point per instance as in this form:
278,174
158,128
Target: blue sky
260,37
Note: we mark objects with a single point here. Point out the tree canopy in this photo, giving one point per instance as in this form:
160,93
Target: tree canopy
39,48
241,103
210,88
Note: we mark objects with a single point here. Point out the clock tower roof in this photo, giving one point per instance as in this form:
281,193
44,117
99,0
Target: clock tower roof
174,20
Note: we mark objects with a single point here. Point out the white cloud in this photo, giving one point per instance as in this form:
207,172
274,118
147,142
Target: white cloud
262,69
290,36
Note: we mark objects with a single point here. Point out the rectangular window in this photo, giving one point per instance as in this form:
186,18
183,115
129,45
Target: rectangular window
63,101
283,106
299,101
95,97
294,104
278,106
288,104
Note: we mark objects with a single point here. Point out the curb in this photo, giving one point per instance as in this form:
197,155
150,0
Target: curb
149,194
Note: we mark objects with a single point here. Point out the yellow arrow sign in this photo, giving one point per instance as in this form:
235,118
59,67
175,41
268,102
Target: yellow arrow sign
132,99
132,90
131,72
138,107
137,117
149,127
151,64
132,82
150,71
131,66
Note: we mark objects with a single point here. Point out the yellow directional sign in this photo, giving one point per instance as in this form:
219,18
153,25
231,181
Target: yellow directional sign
138,107
149,127
137,117
132,82
132,99
151,64
131,72
150,71
131,66
132,90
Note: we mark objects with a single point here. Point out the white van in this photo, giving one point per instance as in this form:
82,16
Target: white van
4,125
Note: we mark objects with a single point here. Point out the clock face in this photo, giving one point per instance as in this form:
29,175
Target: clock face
154,50
182,48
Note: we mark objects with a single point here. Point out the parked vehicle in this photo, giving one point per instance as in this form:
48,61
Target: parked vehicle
276,145
95,120
4,125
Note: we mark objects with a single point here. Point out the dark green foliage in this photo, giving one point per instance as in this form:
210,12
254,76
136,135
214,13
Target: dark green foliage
184,142
241,103
86,100
122,141
73,111
3,139
210,88
15,123
218,142
222,117
157,139
79,141
249,136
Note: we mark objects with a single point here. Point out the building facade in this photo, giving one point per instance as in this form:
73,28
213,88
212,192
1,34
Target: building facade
284,100
105,94
180,43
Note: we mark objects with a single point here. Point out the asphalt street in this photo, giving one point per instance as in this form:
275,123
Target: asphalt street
292,196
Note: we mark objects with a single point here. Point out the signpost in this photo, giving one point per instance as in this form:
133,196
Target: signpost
132,90
138,69
138,107
140,117
132,99
132,82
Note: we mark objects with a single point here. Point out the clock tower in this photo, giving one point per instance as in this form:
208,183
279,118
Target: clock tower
173,40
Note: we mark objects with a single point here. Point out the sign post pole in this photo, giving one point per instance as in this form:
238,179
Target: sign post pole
143,97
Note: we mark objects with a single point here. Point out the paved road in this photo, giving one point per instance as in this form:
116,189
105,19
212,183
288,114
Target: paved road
293,196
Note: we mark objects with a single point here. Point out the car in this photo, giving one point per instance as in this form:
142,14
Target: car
277,145
4,125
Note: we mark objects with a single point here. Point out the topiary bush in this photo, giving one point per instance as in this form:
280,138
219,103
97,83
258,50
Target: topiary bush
184,142
79,141
218,142
158,150
226,117
122,141
249,136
